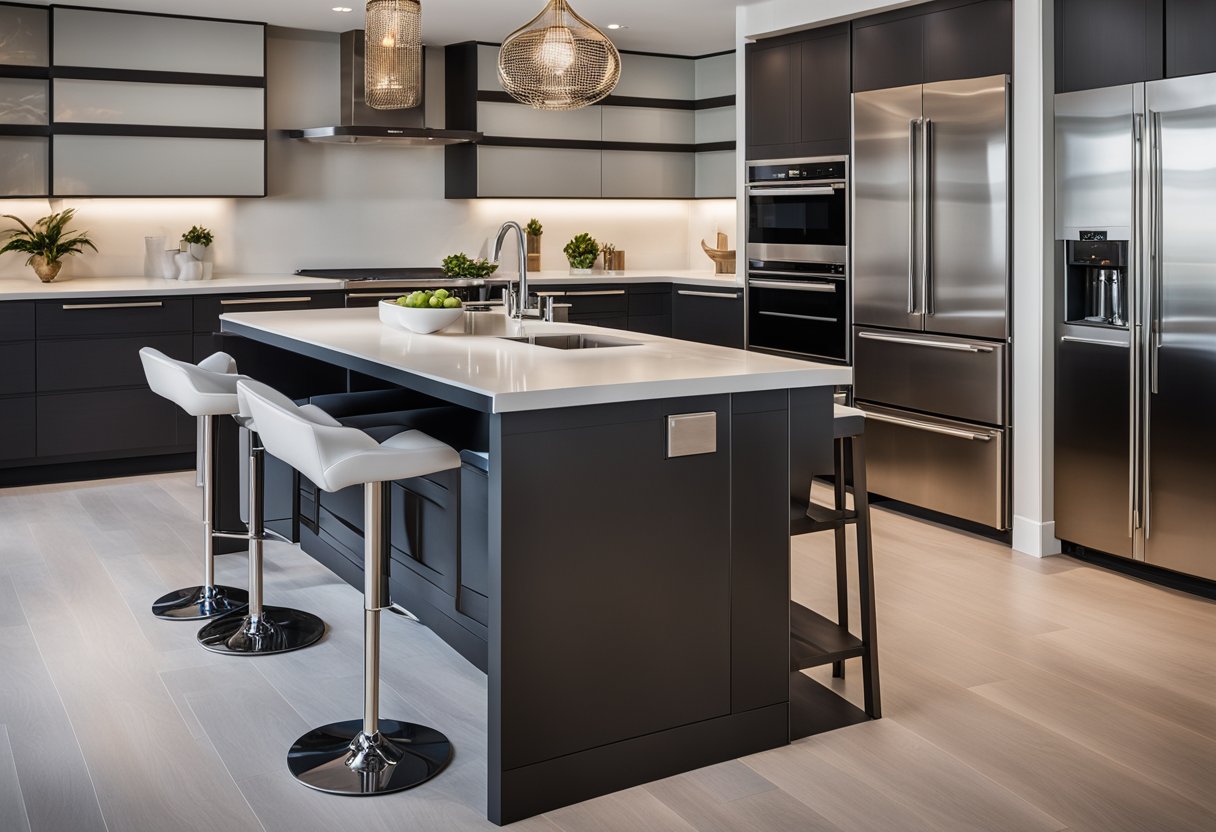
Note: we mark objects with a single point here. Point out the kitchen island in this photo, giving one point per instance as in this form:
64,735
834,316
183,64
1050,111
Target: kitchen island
638,510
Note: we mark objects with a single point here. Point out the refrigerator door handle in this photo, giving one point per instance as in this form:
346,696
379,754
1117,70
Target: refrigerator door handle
1133,333
926,217
912,125
1157,254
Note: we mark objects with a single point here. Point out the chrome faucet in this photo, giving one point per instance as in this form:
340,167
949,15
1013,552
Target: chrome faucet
518,309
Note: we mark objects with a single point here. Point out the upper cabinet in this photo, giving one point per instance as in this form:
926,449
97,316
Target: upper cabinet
667,131
798,95
1105,43
1190,26
942,41
24,93
105,103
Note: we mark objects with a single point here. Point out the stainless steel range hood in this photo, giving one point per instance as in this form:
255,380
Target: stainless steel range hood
362,125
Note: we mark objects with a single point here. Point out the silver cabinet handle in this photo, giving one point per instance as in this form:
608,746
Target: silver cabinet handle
793,286
912,125
595,294
253,301
804,275
550,294
151,304
800,317
1072,339
928,427
350,295
724,295
787,191
934,345
926,224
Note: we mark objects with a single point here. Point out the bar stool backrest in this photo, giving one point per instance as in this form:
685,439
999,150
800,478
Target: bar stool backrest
204,389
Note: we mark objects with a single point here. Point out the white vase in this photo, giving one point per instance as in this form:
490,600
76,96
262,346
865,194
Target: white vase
579,271
168,264
153,259
188,267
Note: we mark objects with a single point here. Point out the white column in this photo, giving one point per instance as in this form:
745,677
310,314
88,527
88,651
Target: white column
1033,278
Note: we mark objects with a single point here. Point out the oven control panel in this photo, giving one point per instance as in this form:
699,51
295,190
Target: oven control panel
797,171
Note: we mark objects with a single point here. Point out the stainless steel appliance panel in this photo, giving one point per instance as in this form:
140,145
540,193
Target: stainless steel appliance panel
1094,161
943,465
1094,468
886,134
801,317
957,377
1181,454
965,232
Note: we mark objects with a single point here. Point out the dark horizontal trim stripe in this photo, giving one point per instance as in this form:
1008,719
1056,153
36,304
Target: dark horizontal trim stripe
25,130
62,195
161,14
148,76
21,71
161,131
581,144
637,52
499,97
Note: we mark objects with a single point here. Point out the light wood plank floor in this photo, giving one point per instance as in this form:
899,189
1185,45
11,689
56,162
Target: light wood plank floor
1019,695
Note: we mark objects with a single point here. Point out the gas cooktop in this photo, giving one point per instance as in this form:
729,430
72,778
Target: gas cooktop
399,278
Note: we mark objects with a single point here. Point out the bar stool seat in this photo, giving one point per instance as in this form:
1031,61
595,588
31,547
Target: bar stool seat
206,390
369,755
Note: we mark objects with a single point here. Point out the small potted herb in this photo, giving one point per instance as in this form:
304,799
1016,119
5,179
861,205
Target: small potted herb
197,242
534,229
47,243
581,252
461,265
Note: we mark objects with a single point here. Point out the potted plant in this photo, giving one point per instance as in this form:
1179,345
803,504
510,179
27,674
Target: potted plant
197,242
581,252
534,229
461,265
47,243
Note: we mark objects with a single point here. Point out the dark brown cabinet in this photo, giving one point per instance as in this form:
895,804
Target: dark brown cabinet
798,95
1105,43
888,53
1189,29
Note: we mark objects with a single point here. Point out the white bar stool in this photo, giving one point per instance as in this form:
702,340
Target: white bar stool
206,391
371,755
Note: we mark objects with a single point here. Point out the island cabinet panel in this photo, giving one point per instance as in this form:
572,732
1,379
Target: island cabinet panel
708,315
1106,43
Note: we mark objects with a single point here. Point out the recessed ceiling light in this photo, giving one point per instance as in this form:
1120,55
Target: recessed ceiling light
616,26
343,9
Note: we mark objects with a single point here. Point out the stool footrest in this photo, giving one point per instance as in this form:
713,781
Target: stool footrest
815,640
806,518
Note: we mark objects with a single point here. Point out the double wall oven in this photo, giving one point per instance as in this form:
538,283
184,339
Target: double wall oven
797,256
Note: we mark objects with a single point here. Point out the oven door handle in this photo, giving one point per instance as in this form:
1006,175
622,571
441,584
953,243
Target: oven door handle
785,183
793,286
801,317
788,191
804,275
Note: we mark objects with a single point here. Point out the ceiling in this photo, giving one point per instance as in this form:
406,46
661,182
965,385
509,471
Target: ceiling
680,27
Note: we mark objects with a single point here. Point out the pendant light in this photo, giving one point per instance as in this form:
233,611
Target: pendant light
558,61
392,54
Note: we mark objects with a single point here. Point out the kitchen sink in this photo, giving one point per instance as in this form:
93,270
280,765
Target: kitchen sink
572,342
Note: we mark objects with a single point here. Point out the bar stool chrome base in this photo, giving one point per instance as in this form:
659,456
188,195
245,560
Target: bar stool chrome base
340,759
277,630
198,602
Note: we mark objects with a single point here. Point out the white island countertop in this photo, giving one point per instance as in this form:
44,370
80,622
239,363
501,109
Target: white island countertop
510,376
21,288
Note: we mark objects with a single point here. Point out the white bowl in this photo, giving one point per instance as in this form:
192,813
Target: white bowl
422,321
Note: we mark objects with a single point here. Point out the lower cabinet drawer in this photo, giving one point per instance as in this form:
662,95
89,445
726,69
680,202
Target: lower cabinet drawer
121,422
955,468
17,428
78,318
93,363
208,308
16,368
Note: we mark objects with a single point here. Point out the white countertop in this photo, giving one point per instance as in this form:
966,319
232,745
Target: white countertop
517,376
702,277
20,288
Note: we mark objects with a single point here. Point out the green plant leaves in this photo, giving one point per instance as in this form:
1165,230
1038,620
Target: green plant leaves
199,236
582,251
461,265
46,237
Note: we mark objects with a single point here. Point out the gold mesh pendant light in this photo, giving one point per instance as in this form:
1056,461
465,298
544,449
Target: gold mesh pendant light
392,54
558,61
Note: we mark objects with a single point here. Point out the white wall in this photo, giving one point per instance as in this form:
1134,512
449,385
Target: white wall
335,206
1033,272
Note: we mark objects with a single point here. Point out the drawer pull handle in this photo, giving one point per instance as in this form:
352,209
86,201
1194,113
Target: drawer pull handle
252,301
779,273
1072,339
723,295
801,317
373,295
934,345
793,286
150,304
550,294
594,294
930,428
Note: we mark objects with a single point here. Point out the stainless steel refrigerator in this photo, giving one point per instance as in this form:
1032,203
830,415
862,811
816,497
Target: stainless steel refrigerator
930,275
1136,398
